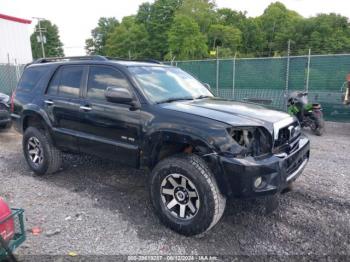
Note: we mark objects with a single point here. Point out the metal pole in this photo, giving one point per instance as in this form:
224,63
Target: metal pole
41,39
234,76
287,76
41,35
308,71
217,71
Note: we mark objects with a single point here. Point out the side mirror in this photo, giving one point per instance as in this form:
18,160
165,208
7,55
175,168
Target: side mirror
118,95
207,86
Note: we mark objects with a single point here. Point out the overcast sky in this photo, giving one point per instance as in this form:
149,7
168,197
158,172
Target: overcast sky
76,18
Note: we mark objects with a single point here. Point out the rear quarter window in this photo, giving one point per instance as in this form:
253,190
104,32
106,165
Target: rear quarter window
30,78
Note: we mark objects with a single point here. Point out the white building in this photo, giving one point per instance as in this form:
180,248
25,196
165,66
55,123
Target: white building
14,40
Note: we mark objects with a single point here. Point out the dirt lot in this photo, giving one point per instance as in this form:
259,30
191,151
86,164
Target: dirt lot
96,207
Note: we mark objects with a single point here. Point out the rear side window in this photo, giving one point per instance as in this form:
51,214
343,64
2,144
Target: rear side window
71,77
53,86
101,77
66,81
30,78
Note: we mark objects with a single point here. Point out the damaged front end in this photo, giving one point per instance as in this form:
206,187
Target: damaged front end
248,141
257,162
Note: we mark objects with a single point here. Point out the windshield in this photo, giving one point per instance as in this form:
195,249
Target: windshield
166,84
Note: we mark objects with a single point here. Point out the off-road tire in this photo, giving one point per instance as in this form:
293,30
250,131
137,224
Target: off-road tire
319,125
212,202
52,157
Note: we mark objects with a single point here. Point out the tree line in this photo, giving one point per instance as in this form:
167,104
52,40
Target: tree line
190,29
193,29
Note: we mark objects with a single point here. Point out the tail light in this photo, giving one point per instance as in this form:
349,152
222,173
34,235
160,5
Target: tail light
13,101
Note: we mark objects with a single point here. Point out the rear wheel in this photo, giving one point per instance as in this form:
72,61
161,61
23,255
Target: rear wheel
40,153
185,195
318,126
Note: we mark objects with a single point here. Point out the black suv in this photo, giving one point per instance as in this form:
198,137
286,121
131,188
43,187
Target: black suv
200,149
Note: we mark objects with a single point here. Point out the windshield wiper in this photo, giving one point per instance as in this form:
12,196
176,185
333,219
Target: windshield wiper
202,97
173,99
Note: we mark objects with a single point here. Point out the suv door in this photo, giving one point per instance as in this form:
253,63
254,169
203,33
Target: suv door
62,104
112,129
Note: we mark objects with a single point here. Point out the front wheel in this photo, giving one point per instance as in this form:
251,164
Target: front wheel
185,195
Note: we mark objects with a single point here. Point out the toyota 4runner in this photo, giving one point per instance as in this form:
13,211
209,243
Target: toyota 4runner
199,149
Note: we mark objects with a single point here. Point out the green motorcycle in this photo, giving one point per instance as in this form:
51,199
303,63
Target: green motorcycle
309,115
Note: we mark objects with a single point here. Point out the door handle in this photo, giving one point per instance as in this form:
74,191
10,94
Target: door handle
48,102
85,108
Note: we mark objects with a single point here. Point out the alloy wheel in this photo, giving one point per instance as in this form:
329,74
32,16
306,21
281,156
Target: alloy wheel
179,196
35,151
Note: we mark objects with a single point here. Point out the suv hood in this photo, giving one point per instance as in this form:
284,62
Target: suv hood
232,112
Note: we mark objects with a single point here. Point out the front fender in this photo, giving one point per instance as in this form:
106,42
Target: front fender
203,147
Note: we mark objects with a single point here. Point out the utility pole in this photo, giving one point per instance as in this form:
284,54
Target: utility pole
308,71
286,92
217,70
234,76
41,31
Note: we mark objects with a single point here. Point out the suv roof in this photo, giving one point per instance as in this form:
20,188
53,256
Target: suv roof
121,61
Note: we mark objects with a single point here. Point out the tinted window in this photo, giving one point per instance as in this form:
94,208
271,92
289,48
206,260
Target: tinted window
54,83
71,77
100,78
30,78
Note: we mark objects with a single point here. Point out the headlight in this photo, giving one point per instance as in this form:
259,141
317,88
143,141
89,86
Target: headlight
250,141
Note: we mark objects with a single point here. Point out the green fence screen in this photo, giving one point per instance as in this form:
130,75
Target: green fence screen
269,80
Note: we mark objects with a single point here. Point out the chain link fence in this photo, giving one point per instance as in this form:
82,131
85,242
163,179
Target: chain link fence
268,81
9,76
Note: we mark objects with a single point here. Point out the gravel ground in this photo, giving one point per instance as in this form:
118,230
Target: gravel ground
95,207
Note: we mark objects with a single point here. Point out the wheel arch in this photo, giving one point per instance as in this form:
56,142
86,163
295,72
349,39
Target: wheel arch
165,143
36,118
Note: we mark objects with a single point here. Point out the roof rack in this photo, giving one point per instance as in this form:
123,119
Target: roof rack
92,57
134,60
69,58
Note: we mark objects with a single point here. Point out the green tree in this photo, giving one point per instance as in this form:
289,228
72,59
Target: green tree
185,39
96,45
325,33
253,38
157,19
226,37
278,24
144,14
127,40
202,11
229,17
155,26
53,46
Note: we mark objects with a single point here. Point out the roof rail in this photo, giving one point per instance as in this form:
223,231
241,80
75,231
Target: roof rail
134,60
92,57
70,58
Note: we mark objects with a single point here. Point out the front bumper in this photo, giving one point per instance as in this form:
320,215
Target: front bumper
276,172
